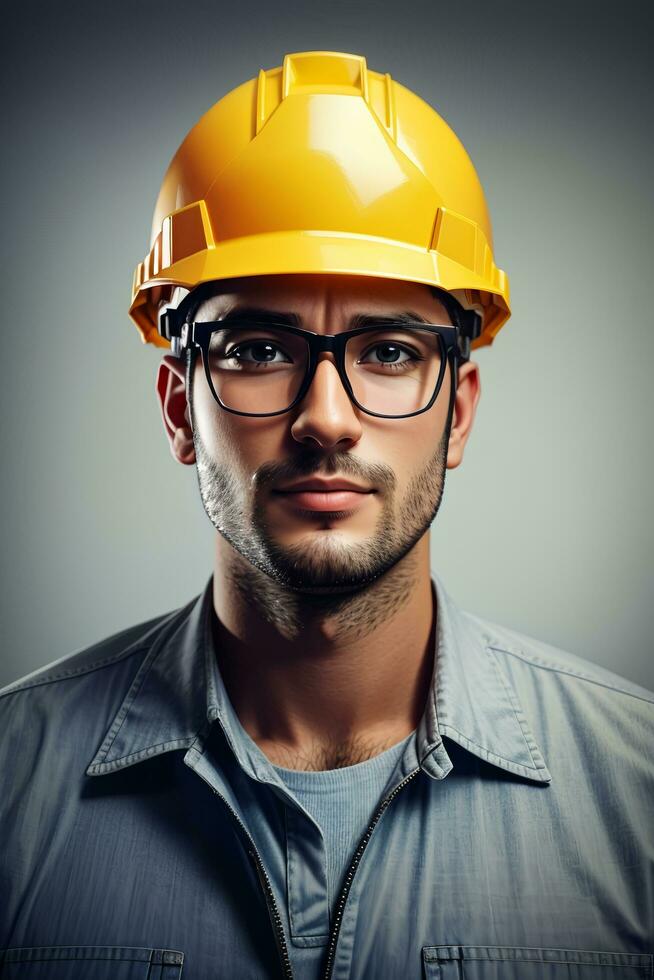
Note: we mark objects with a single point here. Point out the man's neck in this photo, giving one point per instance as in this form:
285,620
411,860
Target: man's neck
320,684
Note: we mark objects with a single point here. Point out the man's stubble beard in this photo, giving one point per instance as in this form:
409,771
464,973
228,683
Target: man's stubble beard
324,560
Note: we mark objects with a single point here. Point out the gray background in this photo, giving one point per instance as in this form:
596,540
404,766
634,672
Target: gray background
546,527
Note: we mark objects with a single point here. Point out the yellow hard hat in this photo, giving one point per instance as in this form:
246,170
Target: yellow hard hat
322,165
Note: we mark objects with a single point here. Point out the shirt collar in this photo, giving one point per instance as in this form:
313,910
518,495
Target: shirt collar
178,693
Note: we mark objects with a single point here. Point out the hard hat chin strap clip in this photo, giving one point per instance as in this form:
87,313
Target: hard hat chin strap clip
168,324
172,319
467,322
469,330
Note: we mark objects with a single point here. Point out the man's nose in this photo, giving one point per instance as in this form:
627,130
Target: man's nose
326,414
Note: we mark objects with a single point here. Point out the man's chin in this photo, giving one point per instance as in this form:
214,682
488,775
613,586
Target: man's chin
311,570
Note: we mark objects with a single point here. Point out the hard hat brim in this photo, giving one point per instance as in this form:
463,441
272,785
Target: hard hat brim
288,252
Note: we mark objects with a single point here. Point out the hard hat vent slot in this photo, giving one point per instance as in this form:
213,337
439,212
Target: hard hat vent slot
326,71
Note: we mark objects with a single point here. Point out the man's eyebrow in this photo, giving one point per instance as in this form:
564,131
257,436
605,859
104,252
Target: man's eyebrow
264,315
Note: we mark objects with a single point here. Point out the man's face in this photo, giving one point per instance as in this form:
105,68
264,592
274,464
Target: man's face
242,461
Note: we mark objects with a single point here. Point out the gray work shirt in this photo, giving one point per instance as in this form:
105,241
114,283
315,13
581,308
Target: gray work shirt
144,837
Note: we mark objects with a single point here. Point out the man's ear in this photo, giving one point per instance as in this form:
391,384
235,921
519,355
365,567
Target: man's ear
468,392
171,393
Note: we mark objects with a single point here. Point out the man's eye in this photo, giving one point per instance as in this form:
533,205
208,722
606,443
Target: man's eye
259,351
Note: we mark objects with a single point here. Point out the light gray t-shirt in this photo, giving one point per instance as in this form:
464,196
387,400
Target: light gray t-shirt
342,802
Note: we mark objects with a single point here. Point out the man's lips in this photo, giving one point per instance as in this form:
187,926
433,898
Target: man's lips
318,484
324,500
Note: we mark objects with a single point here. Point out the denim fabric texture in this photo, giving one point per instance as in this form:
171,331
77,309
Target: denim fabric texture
145,835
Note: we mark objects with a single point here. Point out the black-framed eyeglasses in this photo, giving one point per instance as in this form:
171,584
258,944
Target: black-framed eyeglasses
425,357
263,368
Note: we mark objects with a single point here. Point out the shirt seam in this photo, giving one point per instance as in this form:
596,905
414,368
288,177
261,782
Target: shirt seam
163,638
560,669
132,757
67,675
519,716
130,698
489,756
642,960
127,704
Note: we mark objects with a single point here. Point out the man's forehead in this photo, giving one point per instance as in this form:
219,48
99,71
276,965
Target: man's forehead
303,295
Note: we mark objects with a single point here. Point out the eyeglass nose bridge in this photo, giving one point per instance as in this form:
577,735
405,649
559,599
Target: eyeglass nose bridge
331,344
326,342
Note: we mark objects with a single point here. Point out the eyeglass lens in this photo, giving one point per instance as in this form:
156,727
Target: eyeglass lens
392,371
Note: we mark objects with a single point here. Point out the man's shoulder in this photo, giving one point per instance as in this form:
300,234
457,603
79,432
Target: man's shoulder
538,655
106,653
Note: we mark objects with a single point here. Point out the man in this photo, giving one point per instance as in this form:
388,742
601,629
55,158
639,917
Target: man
321,766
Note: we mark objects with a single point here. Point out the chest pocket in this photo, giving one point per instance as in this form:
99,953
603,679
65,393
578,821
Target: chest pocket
531,963
90,963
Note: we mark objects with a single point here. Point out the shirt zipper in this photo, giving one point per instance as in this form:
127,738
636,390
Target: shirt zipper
340,908
269,895
273,909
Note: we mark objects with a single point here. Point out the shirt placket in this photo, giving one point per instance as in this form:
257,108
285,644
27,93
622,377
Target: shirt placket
306,878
